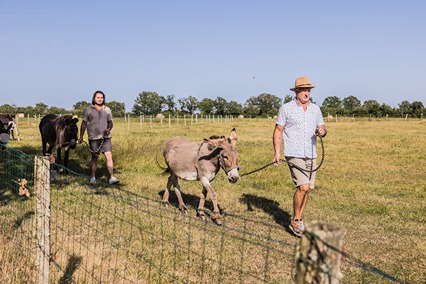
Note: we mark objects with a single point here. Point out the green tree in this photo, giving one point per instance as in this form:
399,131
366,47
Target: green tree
171,104
234,108
7,109
288,98
405,108
188,105
81,105
220,105
251,110
386,110
206,106
417,108
58,110
78,107
41,109
332,105
117,109
350,104
148,103
28,110
264,105
360,111
372,107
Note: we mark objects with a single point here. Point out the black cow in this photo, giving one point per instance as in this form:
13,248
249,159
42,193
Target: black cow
8,124
4,133
59,132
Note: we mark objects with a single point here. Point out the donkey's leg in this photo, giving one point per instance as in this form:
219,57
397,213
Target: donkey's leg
167,191
200,211
217,218
182,206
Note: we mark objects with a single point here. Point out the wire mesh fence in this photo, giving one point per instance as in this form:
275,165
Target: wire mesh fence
104,234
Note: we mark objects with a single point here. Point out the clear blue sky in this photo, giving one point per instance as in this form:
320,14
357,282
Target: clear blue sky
60,52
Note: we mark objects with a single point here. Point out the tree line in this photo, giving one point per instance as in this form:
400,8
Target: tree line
263,105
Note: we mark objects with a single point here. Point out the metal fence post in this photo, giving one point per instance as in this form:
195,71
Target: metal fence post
318,257
42,189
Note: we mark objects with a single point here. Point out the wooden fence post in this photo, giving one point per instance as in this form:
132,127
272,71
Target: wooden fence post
318,256
42,188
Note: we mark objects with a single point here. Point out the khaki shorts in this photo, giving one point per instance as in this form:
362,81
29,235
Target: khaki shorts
95,144
300,177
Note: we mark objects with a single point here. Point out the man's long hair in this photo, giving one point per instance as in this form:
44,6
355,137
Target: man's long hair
94,95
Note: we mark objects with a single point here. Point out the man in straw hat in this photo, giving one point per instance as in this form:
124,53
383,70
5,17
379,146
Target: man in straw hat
297,123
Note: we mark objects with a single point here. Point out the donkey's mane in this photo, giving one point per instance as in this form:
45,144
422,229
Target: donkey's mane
217,137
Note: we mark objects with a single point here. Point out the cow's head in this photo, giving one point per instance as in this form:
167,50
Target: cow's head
71,131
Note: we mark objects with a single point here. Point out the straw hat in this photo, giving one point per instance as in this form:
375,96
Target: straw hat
302,82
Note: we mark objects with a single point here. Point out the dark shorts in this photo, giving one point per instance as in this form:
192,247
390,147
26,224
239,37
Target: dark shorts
95,146
300,177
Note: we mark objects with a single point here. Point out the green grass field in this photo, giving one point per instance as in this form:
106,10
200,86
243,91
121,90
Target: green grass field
372,183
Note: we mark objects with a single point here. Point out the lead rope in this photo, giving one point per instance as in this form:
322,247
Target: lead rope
97,151
304,171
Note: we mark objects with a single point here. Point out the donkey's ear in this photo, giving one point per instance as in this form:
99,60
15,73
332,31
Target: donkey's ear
233,137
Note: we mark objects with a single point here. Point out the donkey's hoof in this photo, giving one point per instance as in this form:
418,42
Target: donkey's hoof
183,211
217,219
201,215
166,204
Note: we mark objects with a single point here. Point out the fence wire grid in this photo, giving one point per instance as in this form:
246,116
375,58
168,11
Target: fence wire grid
103,234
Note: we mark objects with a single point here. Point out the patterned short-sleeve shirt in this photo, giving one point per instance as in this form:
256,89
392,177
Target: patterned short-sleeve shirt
299,128
97,122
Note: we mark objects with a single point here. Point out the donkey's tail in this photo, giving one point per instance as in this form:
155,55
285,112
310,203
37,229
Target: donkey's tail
165,169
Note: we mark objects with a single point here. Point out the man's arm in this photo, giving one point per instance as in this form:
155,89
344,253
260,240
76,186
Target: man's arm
277,138
110,125
82,130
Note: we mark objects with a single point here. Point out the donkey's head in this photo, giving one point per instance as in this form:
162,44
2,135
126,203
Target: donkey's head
228,157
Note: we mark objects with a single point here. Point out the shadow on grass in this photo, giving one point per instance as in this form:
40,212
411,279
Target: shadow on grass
20,220
190,200
73,263
268,206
